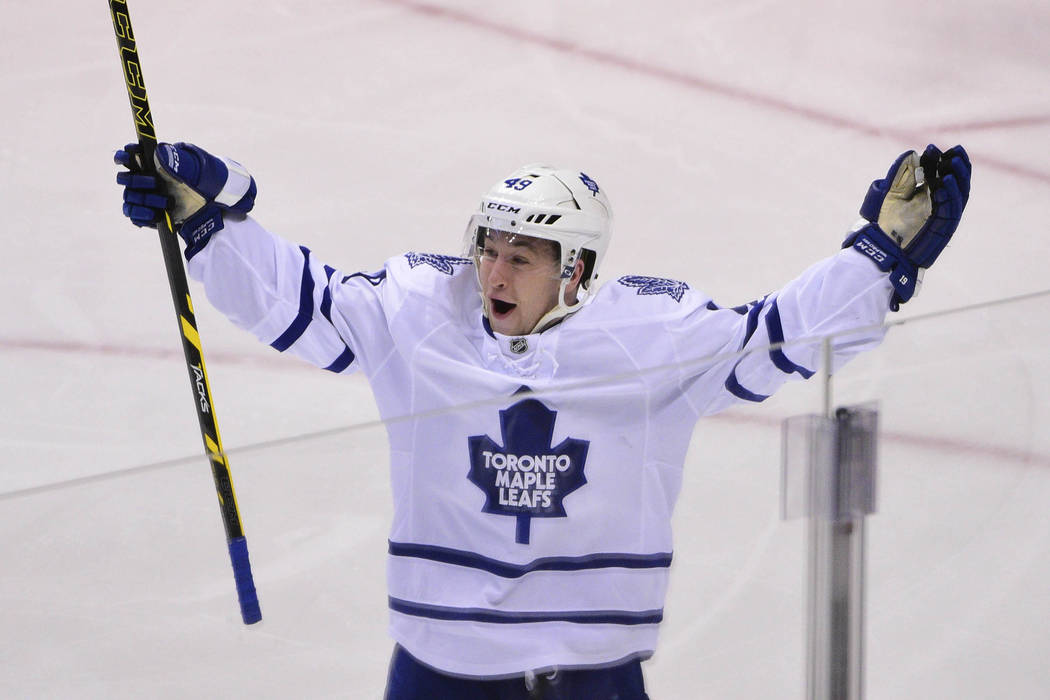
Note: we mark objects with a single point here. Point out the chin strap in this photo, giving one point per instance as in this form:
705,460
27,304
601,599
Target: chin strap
560,312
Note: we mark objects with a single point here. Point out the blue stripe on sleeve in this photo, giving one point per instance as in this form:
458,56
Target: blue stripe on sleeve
734,387
326,298
712,306
592,617
374,280
752,320
326,304
776,335
306,306
446,555
341,362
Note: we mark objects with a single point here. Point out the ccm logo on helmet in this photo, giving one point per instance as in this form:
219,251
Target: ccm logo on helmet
503,207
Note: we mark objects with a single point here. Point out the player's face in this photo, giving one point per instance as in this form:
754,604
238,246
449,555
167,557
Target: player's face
519,279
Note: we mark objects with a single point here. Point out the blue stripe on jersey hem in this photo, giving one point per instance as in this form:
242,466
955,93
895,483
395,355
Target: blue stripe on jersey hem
342,362
734,387
446,555
776,335
584,617
306,305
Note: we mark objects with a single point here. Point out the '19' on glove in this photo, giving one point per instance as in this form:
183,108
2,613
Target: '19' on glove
194,187
910,215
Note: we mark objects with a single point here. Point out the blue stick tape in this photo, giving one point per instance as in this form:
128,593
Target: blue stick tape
242,575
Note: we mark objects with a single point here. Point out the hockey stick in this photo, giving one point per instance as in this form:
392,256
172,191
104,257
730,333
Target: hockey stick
191,343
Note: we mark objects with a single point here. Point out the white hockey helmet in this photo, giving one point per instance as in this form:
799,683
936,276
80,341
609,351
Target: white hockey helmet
564,206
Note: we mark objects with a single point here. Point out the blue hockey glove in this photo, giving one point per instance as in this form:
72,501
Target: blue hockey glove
144,200
910,215
194,187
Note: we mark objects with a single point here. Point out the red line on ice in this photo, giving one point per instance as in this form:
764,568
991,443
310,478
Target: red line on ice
105,350
928,442
732,92
1002,123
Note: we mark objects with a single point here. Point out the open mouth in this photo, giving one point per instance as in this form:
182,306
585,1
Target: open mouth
500,307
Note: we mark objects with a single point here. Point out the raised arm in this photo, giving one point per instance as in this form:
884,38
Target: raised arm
908,218
264,284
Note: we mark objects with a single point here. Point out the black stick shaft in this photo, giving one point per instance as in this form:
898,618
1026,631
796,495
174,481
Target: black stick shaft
191,343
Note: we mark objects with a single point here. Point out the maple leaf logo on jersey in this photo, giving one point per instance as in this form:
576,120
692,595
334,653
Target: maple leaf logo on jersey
441,263
526,477
656,285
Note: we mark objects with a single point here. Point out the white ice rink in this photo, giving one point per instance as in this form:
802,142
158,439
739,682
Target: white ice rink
736,139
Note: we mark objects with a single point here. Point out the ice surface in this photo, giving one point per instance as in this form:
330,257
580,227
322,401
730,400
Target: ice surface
737,140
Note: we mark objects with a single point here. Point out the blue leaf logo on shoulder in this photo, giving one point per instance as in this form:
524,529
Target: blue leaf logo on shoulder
656,285
441,263
526,477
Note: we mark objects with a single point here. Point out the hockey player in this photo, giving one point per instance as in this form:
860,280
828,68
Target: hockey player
548,419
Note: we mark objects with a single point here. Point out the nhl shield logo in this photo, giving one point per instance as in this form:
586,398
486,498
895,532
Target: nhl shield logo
519,345
526,477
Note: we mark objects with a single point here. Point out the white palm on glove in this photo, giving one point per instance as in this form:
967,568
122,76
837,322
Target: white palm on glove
907,205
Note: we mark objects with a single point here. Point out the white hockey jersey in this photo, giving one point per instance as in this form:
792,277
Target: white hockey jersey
534,480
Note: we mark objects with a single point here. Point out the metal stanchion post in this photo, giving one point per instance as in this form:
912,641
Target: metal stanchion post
828,476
